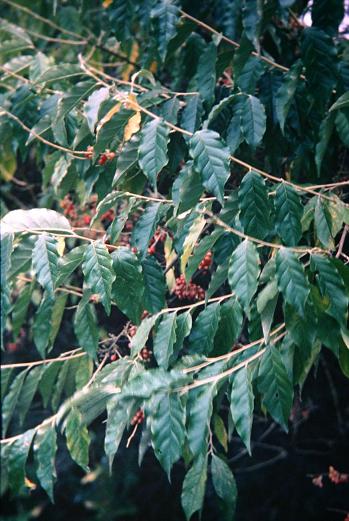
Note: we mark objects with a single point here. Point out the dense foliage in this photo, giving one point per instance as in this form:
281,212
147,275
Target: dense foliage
185,215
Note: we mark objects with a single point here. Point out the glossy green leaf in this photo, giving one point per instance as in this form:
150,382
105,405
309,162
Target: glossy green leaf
289,211
253,120
85,327
17,458
291,278
285,95
242,404
45,448
166,13
254,206
154,285
164,339
205,326
10,401
206,73
243,272
194,485
98,271
199,411
146,226
224,485
77,438
153,149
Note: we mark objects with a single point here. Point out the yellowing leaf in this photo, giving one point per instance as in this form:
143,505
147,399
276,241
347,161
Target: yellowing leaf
133,126
29,484
133,58
60,246
8,164
170,256
153,67
107,3
108,116
190,240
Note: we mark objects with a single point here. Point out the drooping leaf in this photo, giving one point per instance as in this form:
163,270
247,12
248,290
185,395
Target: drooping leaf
45,262
92,106
199,411
211,160
118,417
187,188
154,285
146,226
10,401
242,404
85,326
98,271
229,327
69,263
291,278
28,391
153,149
140,338
194,485
224,485
45,447
17,458
164,339
254,206
78,439
275,386
253,120
42,324
166,13
206,73
286,92
289,211
205,326
243,272
37,219
128,287
168,430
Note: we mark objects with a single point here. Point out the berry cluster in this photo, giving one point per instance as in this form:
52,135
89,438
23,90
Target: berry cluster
103,158
333,475
138,417
188,291
108,216
159,236
206,261
78,217
112,352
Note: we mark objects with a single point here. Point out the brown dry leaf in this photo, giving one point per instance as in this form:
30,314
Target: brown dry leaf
126,73
133,126
108,116
107,3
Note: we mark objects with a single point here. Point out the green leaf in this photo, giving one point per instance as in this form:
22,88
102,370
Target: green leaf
92,106
323,223
292,281
10,401
45,262
218,279
146,226
190,241
153,149
110,134
154,285
118,417
28,391
325,134
57,315
98,271
127,160
286,92
5,377
71,99
244,272
220,431
69,263
199,411
164,339
60,385
59,72
109,201
235,134
128,287
192,113
205,77
45,448
331,285
254,206
288,214
17,458
183,328
47,381
275,386
85,326
187,188
78,439
252,12
200,251
167,14
168,430
242,404
342,125
194,485
341,103
250,75
229,327
253,120
42,324
141,337
211,159
205,326
37,219
6,250
224,485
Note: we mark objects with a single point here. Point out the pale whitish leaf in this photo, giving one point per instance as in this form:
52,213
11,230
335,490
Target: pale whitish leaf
192,113
146,226
190,241
229,327
211,160
42,324
92,106
164,339
205,77
275,386
194,485
187,188
141,337
119,412
168,430
286,92
323,223
45,447
243,272
6,251
167,14
199,411
45,262
17,458
37,219
331,286
288,210
291,278
154,285
204,329
153,149
98,271
28,391
85,326
152,381
253,120
242,404
78,439
10,401
128,287
254,206
224,485
69,263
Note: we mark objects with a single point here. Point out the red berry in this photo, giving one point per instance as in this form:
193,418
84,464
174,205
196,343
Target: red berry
103,159
114,357
151,250
87,219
